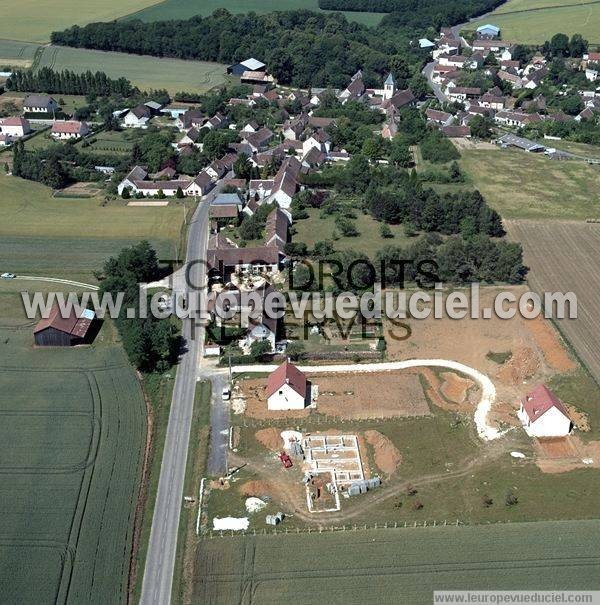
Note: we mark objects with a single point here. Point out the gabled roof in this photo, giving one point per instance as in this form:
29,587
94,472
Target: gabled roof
15,121
76,324
38,101
537,402
488,26
68,127
287,373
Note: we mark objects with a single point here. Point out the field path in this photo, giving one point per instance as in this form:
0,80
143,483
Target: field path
56,280
488,390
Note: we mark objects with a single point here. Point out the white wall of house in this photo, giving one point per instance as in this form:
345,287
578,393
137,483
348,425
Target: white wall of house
552,423
285,398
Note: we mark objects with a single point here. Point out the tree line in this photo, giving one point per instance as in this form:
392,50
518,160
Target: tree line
300,47
67,82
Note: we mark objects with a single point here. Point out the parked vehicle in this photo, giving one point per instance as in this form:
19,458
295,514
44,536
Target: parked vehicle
8,276
226,393
285,460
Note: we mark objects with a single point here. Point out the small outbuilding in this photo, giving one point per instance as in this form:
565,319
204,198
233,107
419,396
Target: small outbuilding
543,414
488,32
59,331
287,388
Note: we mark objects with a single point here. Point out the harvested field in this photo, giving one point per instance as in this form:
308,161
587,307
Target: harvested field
563,256
387,457
351,396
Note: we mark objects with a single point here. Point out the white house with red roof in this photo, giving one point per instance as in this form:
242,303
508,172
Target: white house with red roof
69,130
15,127
543,414
287,388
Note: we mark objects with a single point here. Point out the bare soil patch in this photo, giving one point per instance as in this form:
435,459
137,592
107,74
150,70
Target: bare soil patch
256,488
349,395
564,454
523,365
455,387
550,343
434,392
270,438
387,457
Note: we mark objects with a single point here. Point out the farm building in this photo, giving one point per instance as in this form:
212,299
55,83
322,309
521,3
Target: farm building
543,414
237,69
287,388
488,32
58,331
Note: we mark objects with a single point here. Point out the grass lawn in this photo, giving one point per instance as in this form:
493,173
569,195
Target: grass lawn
35,20
72,432
143,71
534,21
315,228
42,235
526,185
184,9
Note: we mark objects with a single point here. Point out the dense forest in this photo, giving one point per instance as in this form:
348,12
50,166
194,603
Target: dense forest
417,13
68,83
302,48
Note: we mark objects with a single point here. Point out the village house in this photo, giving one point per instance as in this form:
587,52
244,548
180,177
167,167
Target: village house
39,104
456,132
285,184
461,93
287,388
515,118
543,414
192,118
259,140
455,61
486,46
513,79
15,127
138,117
492,101
69,130
439,117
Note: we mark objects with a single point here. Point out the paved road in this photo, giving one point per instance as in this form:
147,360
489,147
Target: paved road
56,280
160,560
219,426
437,91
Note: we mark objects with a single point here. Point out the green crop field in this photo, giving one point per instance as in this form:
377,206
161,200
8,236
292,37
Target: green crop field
42,235
17,54
184,9
35,20
396,565
143,71
534,21
71,440
526,185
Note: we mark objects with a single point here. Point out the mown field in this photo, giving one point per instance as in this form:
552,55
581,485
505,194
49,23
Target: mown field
184,9
71,439
35,20
396,566
534,21
525,185
144,72
42,235
563,256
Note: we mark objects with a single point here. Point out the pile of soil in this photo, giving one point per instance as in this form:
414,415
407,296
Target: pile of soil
387,457
255,488
523,365
270,438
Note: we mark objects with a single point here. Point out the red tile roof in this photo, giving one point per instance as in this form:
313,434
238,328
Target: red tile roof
287,374
540,400
74,324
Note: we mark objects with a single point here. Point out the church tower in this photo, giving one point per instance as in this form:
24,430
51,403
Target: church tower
389,87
